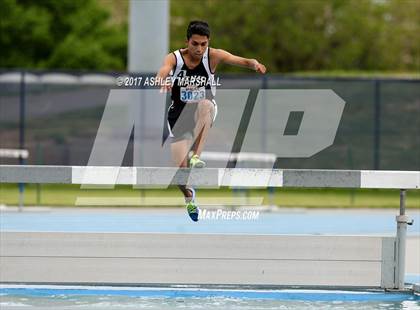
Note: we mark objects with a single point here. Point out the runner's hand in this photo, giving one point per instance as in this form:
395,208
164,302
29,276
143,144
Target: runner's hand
165,88
165,85
260,68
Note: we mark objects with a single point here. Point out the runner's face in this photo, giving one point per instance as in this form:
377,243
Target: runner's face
197,45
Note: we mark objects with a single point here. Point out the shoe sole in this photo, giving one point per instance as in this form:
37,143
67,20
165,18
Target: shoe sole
194,216
199,165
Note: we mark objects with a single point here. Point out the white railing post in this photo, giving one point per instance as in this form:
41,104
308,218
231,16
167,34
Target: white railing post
402,222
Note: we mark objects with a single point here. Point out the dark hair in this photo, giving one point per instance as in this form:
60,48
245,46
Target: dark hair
198,27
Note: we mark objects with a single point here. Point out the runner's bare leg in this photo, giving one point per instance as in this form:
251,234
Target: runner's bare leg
203,120
179,152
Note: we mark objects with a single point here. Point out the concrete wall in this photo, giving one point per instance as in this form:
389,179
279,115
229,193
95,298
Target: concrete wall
159,258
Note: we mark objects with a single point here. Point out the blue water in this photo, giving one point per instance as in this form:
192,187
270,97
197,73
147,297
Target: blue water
370,223
41,297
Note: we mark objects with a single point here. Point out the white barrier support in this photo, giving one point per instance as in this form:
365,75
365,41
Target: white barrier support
402,222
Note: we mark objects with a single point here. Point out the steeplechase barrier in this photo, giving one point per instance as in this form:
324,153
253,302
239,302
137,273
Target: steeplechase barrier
207,259
21,155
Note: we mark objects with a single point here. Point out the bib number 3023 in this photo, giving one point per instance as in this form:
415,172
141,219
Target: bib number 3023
191,95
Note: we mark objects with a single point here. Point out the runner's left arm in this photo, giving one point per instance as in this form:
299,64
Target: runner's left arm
226,57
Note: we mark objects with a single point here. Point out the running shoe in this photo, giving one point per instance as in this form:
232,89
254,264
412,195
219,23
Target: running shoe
196,162
192,209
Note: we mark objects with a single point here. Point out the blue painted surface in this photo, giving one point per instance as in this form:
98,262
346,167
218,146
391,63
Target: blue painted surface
412,278
178,222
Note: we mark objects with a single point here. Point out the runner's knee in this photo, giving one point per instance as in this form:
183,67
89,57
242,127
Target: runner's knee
205,107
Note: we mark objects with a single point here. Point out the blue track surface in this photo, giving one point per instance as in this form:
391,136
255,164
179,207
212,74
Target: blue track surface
374,223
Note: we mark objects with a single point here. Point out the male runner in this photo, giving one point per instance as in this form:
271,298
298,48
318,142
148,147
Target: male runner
193,109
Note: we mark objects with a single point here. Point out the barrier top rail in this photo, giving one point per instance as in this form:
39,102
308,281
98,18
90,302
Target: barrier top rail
14,153
210,177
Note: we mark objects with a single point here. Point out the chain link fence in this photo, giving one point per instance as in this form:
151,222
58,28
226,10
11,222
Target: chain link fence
56,115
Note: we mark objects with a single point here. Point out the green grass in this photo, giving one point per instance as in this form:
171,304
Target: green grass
357,74
67,195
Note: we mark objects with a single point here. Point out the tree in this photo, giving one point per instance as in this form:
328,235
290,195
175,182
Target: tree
302,35
65,34
287,35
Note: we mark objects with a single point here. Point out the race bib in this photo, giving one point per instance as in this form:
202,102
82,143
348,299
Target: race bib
190,95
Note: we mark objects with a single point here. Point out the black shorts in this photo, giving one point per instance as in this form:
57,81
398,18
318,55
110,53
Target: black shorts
181,120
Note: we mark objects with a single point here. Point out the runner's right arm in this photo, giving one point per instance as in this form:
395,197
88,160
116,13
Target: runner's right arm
168,63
